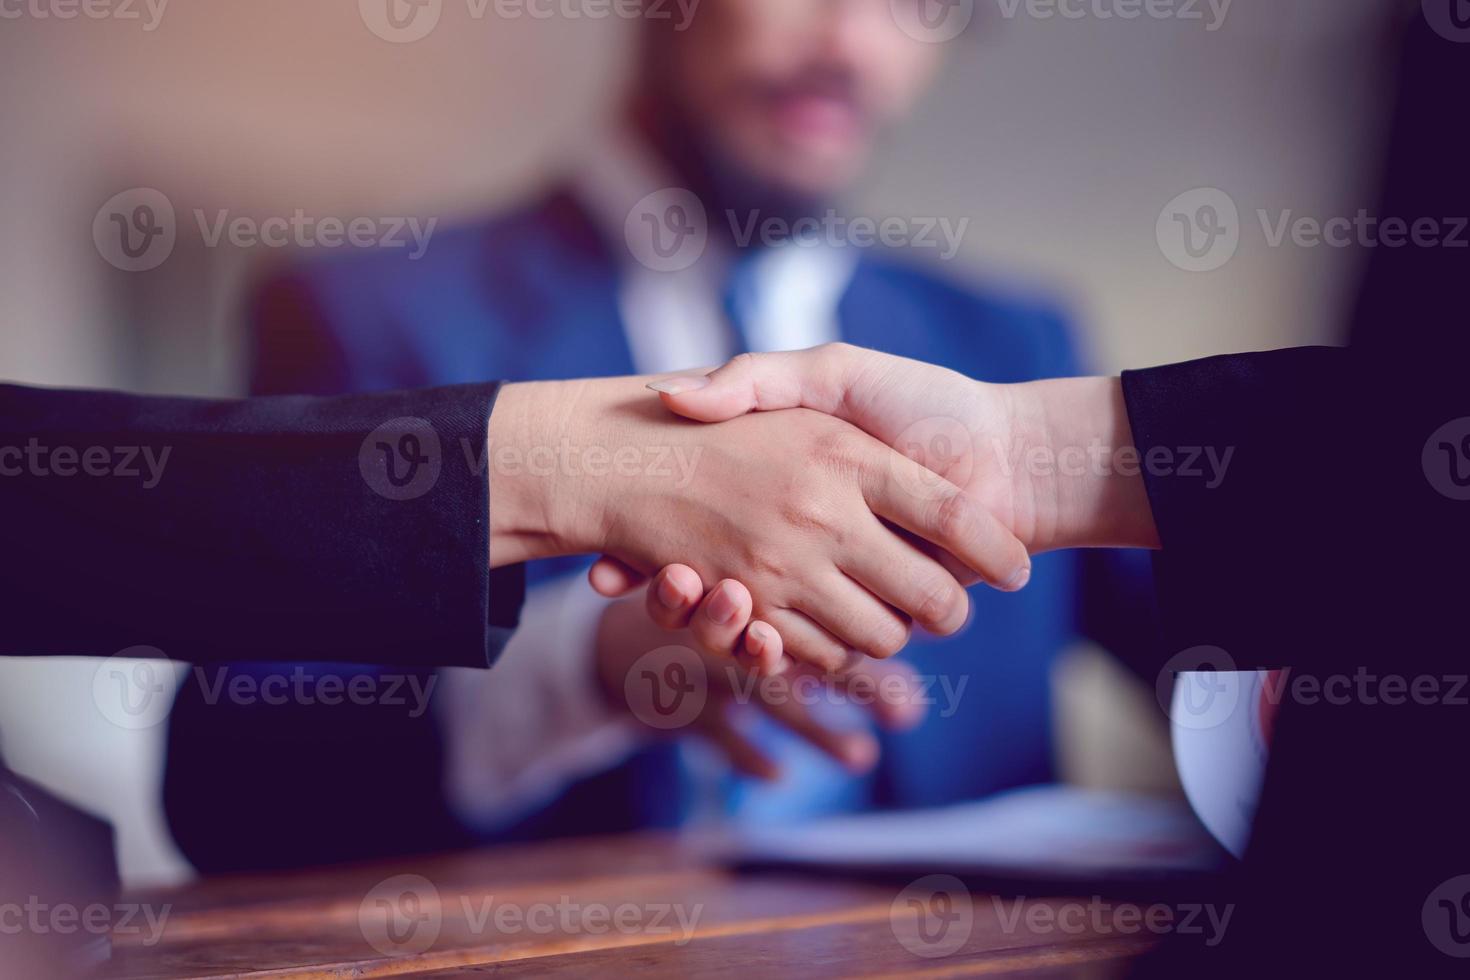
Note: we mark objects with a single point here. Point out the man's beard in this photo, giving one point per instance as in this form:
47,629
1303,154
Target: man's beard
733,197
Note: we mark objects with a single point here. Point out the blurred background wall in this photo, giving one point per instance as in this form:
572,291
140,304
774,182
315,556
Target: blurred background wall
1060,139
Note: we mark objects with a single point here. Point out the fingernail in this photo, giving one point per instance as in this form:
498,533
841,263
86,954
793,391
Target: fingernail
722,606
677,386
1018,581
668,594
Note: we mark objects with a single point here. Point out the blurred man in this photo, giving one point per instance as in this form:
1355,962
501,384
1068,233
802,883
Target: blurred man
704,224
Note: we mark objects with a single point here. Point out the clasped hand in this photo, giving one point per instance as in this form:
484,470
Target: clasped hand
961,442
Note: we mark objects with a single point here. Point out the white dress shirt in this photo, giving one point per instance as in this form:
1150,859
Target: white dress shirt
518,734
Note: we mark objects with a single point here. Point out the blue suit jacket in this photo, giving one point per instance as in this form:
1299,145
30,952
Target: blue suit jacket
534,296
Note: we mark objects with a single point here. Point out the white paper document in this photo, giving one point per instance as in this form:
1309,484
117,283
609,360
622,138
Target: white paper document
1047,833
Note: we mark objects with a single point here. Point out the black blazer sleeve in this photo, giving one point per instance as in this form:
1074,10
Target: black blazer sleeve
1337,523
268,529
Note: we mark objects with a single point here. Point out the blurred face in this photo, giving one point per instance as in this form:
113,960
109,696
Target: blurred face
793,93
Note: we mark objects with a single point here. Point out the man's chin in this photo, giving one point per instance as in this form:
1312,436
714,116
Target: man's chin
805,172
815,182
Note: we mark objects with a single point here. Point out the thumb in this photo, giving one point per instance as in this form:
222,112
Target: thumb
814,379
613,578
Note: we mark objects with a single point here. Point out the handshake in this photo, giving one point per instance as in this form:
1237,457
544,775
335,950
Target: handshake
831,499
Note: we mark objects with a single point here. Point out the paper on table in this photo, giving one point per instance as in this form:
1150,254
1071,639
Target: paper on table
1043,833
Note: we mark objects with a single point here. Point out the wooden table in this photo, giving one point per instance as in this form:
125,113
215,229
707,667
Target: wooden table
652,905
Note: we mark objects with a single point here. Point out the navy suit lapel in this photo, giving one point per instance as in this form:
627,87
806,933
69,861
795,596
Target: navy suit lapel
568,322
876,316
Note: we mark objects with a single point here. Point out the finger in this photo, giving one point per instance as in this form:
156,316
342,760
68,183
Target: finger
612,578
807,643
813,379
741,751
940,512
908,580
852,614
722,618
855,750
957,569
764,649
673,596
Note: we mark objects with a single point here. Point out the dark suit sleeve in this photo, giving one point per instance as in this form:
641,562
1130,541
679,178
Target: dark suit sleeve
1328,514
266,529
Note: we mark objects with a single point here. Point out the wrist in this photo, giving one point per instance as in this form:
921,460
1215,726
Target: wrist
1084,469
540,507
